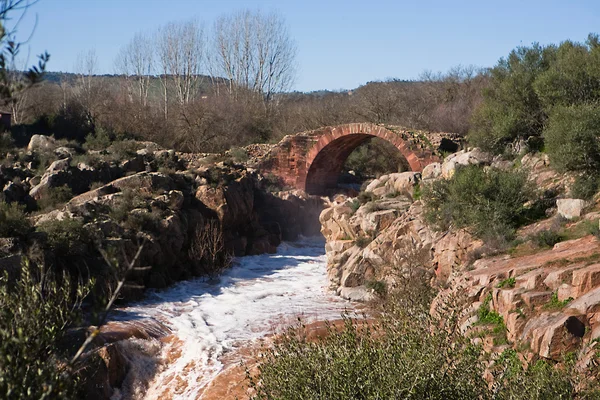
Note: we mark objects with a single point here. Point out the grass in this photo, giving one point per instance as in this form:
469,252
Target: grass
581,229
489,317
555,304
507,283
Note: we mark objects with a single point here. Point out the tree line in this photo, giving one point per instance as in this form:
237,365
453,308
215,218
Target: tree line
206,89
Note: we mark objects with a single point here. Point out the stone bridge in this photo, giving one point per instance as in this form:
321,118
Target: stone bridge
312,161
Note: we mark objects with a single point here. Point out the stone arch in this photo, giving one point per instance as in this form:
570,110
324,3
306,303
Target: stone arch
326,158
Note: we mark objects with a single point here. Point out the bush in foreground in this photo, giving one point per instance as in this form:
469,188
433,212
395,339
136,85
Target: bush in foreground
34,312
409,354
397,358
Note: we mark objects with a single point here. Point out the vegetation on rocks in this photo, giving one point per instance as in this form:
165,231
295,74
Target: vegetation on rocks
491,204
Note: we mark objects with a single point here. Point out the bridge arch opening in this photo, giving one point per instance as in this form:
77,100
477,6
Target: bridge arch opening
327,165
369,161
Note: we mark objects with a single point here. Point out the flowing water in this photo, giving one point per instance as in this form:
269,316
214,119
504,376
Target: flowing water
258,296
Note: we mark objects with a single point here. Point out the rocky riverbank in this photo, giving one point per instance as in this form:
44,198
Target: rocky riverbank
192,212
532,295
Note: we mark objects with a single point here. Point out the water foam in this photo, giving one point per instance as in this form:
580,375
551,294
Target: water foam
258,296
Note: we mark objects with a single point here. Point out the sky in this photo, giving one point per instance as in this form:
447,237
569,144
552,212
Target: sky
341,44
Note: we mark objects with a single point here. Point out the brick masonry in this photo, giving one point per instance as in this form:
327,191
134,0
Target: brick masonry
312,161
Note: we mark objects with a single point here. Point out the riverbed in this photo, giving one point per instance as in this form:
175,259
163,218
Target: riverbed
211,320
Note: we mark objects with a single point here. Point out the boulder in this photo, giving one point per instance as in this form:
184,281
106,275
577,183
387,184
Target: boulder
432,171
41,142
571,208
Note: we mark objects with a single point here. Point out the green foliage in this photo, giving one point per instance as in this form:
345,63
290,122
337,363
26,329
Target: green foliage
507,283
511,109
540,380
124,149
100,140
65,237
142,218
547,238
555,304
572,138
585,186
537,86
417,193
399,358
7,143
54,197
379,287
355,205
13,221
486,315
34,312
489,203
375,158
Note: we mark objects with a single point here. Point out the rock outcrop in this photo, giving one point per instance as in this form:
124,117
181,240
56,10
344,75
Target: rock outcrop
548,299
192,212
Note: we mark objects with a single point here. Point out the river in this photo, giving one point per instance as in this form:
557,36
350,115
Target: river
212,319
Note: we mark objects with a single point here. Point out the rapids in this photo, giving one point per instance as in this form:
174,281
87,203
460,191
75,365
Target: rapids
258,296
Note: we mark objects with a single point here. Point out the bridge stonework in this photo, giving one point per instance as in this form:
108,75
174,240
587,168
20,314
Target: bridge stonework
312,161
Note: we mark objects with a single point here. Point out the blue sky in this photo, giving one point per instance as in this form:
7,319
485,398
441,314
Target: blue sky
341,44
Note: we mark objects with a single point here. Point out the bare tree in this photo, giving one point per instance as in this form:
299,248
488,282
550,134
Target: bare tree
254,52
89,91
135,62
181,50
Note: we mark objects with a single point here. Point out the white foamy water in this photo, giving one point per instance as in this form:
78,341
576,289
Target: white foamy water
258,296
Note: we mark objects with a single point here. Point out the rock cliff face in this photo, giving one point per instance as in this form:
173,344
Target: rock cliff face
383,235
191,211
547,299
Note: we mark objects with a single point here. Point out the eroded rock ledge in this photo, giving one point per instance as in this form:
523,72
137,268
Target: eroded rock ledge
547,299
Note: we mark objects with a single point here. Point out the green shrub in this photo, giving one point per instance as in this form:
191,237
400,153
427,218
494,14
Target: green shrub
555,304
13,221
541,380
547,238
417,193
54,197
585,186
7,143
100,140
507,283
571,138
486,315
238,154
123,149
537,82
489,203
65,237
34,313
396,359
128,201
142,221
511,110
